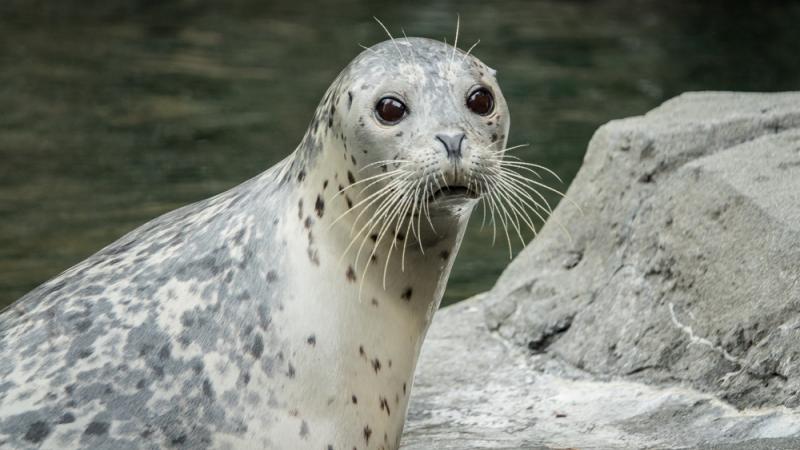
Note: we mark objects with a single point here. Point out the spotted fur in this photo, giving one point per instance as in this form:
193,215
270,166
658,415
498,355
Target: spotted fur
240,321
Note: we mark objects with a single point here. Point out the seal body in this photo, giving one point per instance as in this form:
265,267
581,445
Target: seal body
287,312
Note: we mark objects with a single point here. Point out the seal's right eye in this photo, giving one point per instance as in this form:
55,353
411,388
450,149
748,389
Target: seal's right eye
390,110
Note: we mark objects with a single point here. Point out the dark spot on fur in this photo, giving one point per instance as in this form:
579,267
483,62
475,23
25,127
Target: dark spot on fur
271,276
37,431
349,99
83,325
96,429
404,389
349,202
308,222
494,137
208,390
319,206
399,134
303,429
400,236
367,433
375,302
300,209
290,373
385,406
301,175
312,340
258,347
66,418
164,352
178,440
407,294
350,177
324,184
354,399
444,255
313,256
351,274
374,237
353,160
361,351
376,365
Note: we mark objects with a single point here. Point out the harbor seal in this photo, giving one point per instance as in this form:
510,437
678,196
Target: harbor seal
289,311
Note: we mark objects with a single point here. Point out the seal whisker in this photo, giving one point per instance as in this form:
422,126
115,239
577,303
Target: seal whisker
372,196
383,210
515,178
391,189
510,203
394,195
542,185
486,199
503,215
400,215
455,45
513,160
522,189
388,192
367,48
391,38
522,183
514,197
503,151
410,226
385,161
410,44
471,48
373,180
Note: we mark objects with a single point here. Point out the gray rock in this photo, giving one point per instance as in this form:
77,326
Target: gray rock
668,314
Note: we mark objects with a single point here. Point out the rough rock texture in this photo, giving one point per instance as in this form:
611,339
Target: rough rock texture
669,316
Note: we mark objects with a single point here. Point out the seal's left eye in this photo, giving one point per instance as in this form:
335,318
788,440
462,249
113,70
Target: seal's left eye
390,110
481,101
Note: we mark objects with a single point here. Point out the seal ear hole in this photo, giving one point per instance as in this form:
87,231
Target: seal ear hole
390,110
481,101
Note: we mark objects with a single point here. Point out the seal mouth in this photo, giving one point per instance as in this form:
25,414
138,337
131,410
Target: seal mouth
453,192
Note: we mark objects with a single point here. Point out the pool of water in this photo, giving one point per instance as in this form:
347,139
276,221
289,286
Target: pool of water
112,113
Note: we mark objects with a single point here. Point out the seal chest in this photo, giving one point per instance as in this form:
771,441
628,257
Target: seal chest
287,312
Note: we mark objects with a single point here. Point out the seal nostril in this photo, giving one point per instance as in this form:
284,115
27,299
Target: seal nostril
452,143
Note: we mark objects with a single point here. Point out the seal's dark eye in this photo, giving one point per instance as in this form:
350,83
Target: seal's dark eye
481,101
390,110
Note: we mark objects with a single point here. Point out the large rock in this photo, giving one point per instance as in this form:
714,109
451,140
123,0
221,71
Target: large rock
667,313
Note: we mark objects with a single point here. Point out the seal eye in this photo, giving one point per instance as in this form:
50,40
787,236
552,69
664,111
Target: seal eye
481,101
390,110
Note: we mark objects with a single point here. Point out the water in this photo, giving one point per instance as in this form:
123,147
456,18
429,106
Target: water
112,113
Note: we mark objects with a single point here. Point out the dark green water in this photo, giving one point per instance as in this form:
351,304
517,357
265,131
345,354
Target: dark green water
112,113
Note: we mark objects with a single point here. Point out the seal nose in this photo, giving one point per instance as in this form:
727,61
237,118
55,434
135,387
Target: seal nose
452,143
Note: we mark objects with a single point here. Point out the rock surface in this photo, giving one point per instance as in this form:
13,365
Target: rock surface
668,316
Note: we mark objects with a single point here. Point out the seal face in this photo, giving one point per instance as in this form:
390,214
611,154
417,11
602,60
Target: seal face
287,312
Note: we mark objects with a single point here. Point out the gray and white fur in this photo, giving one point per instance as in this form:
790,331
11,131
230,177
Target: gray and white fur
245,320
